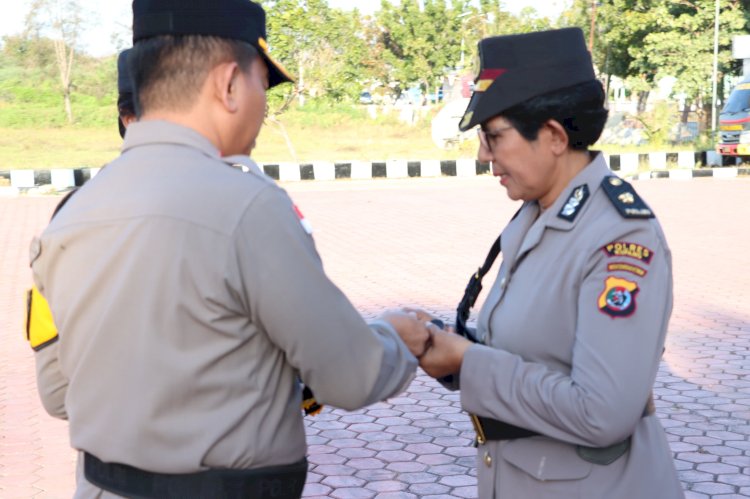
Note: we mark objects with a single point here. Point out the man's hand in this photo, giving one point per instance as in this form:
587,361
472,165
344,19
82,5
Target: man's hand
412,330
445,354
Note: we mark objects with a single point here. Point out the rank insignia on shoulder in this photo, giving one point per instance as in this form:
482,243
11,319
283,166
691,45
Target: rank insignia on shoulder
575,202
625,199
618,297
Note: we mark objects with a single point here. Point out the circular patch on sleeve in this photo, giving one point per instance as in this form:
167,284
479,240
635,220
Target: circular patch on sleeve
618,297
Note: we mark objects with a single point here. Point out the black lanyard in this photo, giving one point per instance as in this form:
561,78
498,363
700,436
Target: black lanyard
472,292
474,288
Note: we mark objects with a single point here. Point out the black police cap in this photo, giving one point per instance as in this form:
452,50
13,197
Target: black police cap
124,82
515,68
234,19
124,89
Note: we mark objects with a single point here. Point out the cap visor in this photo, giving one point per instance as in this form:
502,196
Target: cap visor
277,74
468,120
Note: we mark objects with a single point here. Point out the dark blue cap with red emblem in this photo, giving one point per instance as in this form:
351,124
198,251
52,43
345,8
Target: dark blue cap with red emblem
515,68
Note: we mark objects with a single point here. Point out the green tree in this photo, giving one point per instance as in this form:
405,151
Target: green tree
62,21
490,18
326,48
422,43
692,63
620,27
643,40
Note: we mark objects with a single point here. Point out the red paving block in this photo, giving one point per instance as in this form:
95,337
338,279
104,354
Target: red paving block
21,492
398,242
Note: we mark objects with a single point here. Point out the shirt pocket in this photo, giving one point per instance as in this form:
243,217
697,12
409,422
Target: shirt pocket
545,459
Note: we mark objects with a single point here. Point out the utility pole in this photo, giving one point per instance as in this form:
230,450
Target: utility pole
593,26
716,66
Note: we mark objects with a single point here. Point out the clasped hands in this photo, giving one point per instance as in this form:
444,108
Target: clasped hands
440,351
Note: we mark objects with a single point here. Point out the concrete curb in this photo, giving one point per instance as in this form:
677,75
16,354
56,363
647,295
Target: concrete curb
628,165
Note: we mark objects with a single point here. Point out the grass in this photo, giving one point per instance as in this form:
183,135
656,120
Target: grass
347,138
354,141
57,147
316,133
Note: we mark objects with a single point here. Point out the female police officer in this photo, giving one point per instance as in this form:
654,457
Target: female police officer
572,330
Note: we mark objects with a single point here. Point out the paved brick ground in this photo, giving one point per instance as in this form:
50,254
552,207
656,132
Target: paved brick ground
389,243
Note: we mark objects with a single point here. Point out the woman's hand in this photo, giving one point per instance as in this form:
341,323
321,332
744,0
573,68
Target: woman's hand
425,316
445,354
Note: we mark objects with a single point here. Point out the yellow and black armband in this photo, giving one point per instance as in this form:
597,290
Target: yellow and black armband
40,326
309,404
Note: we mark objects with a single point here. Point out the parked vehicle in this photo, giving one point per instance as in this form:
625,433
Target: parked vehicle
433,98
365,98
734,125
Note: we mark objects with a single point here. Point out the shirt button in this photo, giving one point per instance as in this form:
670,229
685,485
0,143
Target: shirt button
487,459
503,281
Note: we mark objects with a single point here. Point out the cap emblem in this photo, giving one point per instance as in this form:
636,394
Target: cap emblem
487,78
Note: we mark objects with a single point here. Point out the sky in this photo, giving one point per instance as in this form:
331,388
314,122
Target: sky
108,17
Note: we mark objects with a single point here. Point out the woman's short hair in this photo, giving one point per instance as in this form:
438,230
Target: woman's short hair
168,71
579,109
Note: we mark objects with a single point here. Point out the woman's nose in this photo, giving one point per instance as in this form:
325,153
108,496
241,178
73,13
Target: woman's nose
484,155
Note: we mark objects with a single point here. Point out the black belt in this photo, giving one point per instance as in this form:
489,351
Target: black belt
275,482
492,429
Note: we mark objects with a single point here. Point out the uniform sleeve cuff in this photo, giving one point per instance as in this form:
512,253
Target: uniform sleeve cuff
480,367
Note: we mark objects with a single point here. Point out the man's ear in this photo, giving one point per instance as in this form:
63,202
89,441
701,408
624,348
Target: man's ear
558,136
225,78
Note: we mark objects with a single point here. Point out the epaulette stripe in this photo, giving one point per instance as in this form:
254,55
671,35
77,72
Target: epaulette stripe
627,202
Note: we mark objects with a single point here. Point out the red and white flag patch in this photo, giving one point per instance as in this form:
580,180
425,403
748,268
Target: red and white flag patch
303,221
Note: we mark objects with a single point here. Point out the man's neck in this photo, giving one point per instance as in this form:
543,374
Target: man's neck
193,119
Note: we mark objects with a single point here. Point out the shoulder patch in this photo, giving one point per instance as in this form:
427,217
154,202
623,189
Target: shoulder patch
303,221
631,250
625,199
575,202
627,267
618,297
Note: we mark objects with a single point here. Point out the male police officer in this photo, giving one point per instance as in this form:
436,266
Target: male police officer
188,295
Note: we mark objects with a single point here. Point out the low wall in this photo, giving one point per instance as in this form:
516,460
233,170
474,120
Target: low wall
677,165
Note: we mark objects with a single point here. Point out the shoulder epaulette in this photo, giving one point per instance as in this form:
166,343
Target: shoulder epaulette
625,199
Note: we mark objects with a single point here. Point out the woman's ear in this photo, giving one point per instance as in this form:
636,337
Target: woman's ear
558,136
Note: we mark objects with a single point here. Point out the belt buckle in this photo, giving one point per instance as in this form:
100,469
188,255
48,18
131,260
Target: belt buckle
478,428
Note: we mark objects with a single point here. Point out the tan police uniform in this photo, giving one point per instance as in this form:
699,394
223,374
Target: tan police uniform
574,328
189,298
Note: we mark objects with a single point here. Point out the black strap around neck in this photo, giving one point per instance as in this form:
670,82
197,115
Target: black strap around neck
475,287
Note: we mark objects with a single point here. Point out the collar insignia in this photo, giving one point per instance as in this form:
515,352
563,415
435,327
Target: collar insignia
575,202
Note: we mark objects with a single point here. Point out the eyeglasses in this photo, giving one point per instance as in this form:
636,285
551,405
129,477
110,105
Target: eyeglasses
488,137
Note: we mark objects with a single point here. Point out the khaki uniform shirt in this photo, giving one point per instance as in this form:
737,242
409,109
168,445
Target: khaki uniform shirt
189,298
574,328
